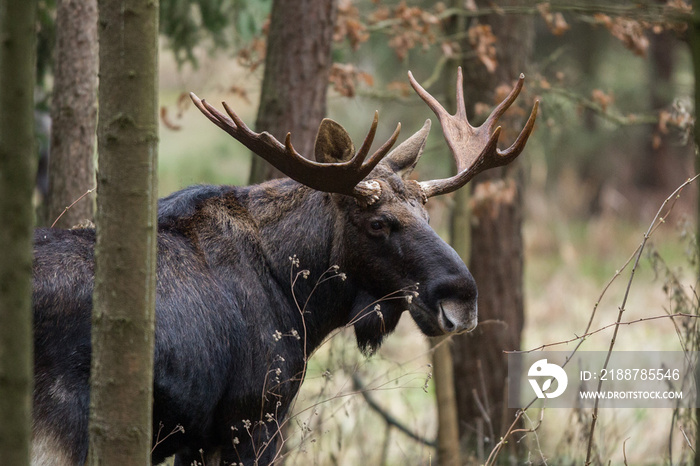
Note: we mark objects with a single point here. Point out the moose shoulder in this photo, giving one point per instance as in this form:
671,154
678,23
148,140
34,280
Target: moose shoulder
252,279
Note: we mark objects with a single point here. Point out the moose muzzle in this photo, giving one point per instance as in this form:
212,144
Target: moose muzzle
455,317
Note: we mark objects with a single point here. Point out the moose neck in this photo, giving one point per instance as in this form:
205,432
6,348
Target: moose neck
300,231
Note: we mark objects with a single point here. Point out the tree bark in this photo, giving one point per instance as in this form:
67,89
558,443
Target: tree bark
662,163
448,426
694,35
17,171
443,364
496,259
297,66
125,253
73,113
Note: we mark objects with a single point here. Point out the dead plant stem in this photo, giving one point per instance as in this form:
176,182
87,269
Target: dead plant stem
658,219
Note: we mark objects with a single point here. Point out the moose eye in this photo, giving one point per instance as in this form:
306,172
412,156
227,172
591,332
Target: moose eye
377,225
378,228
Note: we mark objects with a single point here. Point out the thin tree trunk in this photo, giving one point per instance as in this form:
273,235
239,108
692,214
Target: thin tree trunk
73,113
297,66
125,253
17,171
448,426
662,162
496,259
443,364
694,36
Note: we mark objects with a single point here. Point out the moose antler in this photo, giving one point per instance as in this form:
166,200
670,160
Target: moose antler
336,177
473,148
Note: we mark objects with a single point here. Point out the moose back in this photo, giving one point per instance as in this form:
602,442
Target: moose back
250,280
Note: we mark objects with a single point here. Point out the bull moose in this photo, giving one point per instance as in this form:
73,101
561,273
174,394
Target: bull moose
232,333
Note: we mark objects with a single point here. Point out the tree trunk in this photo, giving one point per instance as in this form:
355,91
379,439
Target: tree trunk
496,259
125,253
297,66
661,165
443,365
73,113
17,171
448,426
694,36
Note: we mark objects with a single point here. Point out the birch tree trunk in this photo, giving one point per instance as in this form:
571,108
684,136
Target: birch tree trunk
125,253
17,171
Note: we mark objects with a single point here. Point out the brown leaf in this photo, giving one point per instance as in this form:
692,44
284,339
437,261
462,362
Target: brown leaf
183,103
664,118
602,99
348,25
399,86
252,55
679,6
490,196
381,13
366,78
449,48
166,120
482,109
408,27
483,41
629,31
555,21
344,77
239,92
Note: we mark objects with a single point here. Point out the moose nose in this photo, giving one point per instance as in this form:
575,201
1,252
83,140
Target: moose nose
453,317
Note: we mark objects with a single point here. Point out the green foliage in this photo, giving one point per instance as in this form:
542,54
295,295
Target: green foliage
186,24
215,23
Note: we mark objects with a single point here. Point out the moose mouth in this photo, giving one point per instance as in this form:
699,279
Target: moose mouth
451,317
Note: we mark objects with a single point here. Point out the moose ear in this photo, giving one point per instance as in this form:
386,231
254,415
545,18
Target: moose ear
404,158
333,143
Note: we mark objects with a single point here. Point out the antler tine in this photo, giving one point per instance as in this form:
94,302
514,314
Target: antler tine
461,107
505,105
236,119
432,102
383,150
517,147
367,143
213,114
264,136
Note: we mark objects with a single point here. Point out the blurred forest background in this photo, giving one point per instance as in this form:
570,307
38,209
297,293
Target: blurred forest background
549,237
